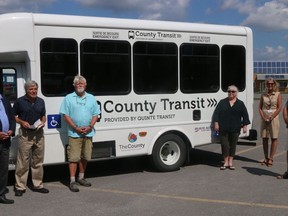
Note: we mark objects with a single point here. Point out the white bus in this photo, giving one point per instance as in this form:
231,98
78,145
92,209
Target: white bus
157,82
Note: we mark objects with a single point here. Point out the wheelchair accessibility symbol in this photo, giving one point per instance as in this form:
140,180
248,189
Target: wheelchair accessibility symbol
54,121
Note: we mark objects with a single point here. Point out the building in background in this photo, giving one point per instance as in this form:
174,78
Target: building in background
275,69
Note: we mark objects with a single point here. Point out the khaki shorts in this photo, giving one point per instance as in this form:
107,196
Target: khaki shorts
79,148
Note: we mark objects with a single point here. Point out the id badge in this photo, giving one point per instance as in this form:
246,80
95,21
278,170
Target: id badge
269,112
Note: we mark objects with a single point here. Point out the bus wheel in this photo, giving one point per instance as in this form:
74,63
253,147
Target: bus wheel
169,153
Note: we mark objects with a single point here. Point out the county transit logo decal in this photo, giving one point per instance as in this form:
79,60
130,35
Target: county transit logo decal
151,35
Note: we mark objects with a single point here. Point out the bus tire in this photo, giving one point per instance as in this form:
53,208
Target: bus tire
169,153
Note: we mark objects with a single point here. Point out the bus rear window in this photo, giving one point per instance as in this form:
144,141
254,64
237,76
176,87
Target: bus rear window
233,66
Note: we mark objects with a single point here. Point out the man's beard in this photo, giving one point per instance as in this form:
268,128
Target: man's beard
80,90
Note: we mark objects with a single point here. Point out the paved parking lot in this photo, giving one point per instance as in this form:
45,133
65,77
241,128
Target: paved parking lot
131,187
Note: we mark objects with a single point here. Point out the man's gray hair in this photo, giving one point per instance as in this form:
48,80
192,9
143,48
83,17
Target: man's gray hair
79,78
233,87
30,83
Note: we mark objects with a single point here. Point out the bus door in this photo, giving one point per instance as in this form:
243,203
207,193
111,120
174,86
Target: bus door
12,86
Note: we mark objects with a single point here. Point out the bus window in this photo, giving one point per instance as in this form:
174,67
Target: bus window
155,67
9,84
59,65
199,70
233,66
106,66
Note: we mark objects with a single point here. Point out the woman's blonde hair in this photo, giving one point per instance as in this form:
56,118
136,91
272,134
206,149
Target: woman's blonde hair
276,84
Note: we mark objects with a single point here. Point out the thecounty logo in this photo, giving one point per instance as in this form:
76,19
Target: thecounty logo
132,137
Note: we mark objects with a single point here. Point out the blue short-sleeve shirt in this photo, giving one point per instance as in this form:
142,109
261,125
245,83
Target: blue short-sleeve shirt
80,110
28,111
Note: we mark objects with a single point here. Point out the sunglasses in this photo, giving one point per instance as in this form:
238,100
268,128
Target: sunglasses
231,91
270,83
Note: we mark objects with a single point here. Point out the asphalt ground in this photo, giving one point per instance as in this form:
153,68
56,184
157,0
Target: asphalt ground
131,186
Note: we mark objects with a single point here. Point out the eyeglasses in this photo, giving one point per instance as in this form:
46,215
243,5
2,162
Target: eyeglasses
79,83
270,83
231,91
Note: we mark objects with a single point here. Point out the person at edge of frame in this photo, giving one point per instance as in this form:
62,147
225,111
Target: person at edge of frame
7,129
285,117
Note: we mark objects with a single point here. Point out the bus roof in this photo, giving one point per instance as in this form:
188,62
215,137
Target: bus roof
133,24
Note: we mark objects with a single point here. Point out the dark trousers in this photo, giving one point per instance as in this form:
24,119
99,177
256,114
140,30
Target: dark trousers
4,163
228,143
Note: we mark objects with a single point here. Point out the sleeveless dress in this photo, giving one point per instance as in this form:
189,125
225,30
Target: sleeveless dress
269,106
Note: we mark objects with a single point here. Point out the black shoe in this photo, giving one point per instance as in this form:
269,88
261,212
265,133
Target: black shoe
19,192
6,190
41,190
4,200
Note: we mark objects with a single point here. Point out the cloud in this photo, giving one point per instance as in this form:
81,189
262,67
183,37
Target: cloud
263,15
272,16
22,6
146,9
247,6
285,37
271,54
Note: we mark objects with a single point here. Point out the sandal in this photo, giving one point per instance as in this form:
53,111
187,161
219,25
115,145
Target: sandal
223,167
270,162
264,162
284,176
231,167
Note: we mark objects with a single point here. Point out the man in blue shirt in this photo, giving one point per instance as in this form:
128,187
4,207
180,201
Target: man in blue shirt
7,129
80,110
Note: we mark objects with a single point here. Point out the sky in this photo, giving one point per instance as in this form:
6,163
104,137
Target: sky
267,19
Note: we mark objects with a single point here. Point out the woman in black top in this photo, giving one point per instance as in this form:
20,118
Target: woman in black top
229,116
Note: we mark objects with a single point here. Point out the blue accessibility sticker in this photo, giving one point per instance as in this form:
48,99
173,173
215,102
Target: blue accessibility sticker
54,121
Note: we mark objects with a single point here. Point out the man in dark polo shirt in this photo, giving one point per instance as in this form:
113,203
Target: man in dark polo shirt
30,113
